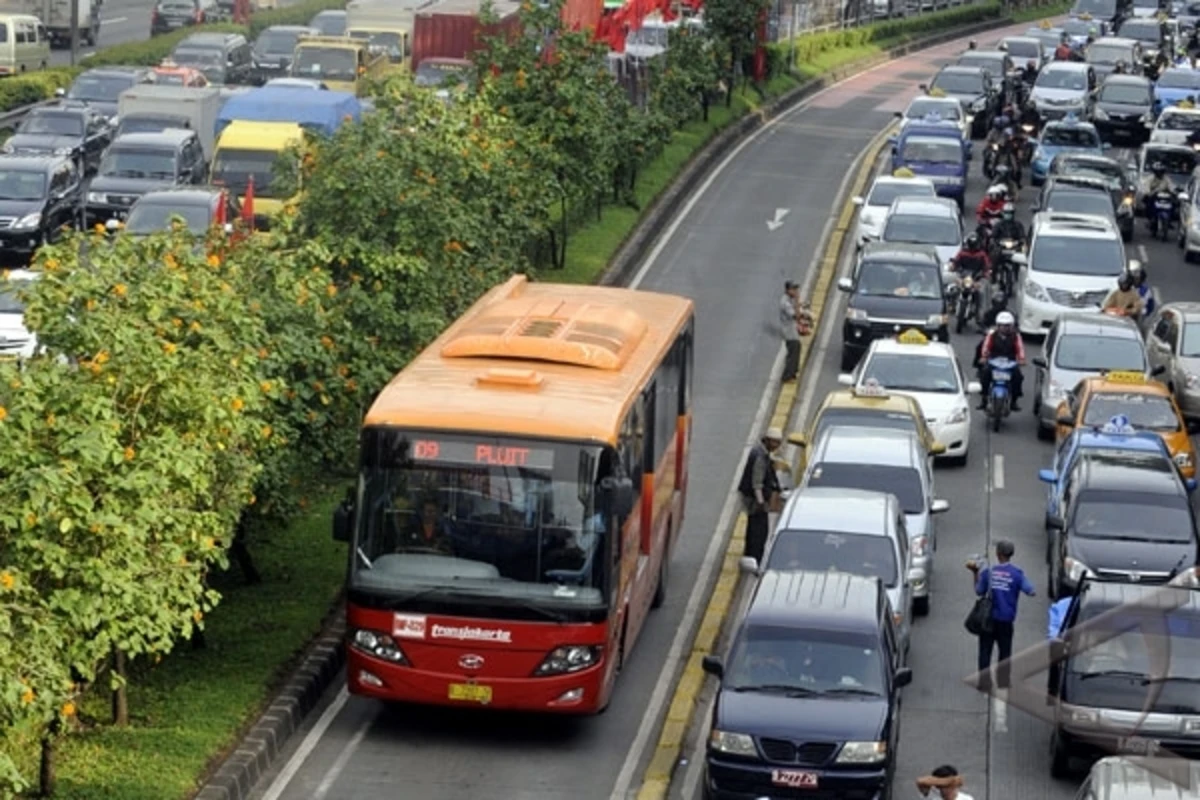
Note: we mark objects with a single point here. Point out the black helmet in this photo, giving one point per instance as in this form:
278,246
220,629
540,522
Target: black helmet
1125,282
1159,168
999,299
972,241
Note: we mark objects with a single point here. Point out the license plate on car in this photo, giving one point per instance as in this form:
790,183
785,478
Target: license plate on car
794,779
1138,745
471,692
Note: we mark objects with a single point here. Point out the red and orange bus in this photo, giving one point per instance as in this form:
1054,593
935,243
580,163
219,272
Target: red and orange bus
494,469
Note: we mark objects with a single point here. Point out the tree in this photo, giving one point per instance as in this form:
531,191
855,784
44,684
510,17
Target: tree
683,80
733,24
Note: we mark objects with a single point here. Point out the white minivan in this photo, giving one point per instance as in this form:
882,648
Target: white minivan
24,45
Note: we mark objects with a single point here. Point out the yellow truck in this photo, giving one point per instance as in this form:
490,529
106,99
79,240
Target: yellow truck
246,149
342,63
386,25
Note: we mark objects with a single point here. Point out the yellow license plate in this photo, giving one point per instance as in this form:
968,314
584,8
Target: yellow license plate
472,692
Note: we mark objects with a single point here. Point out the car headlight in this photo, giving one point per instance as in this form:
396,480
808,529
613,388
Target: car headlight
1100,113
1147,117
862,753
1055,392
1039,154
856,314
735,744
919,545
569,658
378,644
97,197
1191,725
958,416
979,105
1080,716
1035,291
1191,381
1183,459
1076,570
8,149
29,221
935,321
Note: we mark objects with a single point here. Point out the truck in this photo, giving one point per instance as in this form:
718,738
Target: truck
452,29
258,151
321,112
342,63
386,25
56,17
199,107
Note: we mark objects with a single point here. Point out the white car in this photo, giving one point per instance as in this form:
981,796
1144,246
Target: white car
925,220
929,373
873,208
925,108
1175,125
16,341
1073,263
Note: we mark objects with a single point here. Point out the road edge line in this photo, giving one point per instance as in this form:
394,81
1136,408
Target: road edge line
658,775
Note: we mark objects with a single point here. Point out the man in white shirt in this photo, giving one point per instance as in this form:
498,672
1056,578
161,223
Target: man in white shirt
946,781
789,329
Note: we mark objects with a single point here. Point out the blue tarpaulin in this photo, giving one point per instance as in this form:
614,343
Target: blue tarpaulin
322,112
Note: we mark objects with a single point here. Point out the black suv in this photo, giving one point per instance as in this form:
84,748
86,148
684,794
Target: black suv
39,196
809,701
139,162
198,206
171,15
974,89
74,130
895,287
1105,170
224,58
1080,194
998,63
101,88
1125,515
273,50
1151,33
1126,665
1124,108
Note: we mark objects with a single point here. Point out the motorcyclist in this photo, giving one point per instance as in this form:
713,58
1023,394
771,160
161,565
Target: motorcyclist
991,207
1159,182
1009,227
1064,51
999,125
1008,164
1125,298
998,305
1141,282
971,45
1119,68
1030,116
972,261
1003,341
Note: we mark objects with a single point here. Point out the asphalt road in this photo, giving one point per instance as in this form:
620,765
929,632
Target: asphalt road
121,21
722,254
996,496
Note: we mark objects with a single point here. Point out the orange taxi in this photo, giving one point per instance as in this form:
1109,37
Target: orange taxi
1147,404
171,74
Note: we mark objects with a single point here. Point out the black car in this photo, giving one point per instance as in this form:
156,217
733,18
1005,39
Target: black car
101,88
273,50
39,197
138,163
224,58
149,122
1104,54
1110,11
975,90
809,699
1152,34
1080,194
1127,515
998,63
1124,108
1088,165
1127,661
329,23
895,287
74,130
1188,16
199,207
171,15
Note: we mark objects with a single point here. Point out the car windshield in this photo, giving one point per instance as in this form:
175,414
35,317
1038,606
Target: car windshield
1126,94
172,78
329,24
98,88
932,150
1132,515
881,279
1080,27
1070,79
1103,9
197,57
1094,203
992,64
10,299
908,372
1146,412
1063,136
332,63
1109,173
276,43
904,482
959,82
1020,48
817,551
882,194
1143,32
1177,162
863,418
1178,121
1179,79
233,168
1100,53
918,229
143,124
1176,647
923,107
776,659
49,123
1086,353
22,185
130,163
151,217
484,516
434,74
1190,347
1075,255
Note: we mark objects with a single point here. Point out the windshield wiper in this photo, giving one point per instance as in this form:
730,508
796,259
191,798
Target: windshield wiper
1171,679
781,688
853,690
1112,673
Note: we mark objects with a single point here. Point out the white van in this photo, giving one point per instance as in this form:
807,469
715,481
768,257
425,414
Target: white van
24,45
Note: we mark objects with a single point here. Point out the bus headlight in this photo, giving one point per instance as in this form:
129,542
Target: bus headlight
378,644
568,659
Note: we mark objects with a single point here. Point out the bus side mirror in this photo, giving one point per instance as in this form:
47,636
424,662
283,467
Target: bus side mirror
343,521
618,492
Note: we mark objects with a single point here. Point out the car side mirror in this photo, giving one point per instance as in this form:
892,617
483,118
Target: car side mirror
343,521
858,201
1047,476
1055,522
713,666
898,114
845,285
60,92
1038,361
797,439
1159,370
618,492
903,677
974,387
748,565
939,506
845,379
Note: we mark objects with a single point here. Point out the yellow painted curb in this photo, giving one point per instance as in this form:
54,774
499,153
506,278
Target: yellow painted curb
657,780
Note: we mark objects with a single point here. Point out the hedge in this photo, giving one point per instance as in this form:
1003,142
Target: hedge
33,87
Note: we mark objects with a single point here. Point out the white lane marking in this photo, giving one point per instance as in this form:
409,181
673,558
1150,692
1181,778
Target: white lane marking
344,757
1142,253
997,472
306,747
114,20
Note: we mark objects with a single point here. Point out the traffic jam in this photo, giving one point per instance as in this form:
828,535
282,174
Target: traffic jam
999,311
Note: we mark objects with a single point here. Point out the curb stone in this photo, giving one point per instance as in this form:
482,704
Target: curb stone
260,746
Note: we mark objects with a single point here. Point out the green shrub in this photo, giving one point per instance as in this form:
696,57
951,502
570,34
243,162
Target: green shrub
153,50
298,14
22,90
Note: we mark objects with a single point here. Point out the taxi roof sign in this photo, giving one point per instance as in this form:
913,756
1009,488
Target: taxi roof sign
1045,25
1085,16
870,388
1125,376
904,172
1119,424
912,336
936,92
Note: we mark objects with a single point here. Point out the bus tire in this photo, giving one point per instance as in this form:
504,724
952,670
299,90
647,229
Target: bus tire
660,591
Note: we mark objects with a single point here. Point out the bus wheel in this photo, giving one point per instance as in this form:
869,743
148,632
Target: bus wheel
660,591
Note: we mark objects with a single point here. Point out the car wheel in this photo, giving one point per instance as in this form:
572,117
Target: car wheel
849,360
959,461
921,606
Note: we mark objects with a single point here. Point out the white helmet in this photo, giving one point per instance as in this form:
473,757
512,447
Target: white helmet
1005,318
997,190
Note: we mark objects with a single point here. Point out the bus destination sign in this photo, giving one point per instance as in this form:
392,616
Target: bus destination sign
482,454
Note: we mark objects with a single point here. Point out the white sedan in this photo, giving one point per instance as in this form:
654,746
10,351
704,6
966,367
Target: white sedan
873,208
929,373
1175,125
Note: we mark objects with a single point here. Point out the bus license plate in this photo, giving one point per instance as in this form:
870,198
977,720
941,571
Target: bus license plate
794,779
471,692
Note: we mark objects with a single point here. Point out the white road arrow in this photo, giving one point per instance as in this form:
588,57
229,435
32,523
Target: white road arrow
777,223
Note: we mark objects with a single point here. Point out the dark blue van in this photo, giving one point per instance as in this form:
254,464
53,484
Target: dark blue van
936,152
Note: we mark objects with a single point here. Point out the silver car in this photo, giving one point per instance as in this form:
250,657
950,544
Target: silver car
1174,347
847,530
1082,345
1140,778
889,461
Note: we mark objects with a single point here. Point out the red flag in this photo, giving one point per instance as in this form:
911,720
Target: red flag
667,9
220,220
248,205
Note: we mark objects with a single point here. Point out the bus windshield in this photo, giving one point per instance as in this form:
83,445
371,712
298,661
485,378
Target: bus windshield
481,517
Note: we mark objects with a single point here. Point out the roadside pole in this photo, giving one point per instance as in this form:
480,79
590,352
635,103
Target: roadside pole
75,31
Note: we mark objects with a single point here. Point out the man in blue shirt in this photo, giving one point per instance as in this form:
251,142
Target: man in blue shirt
1054,626
1006,581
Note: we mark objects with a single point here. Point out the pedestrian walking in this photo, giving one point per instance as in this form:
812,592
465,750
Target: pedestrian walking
758,487
1003,584
794,321
944,780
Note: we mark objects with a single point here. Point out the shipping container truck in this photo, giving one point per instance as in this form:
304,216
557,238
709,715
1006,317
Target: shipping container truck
451,28
582,15
199,106
56,18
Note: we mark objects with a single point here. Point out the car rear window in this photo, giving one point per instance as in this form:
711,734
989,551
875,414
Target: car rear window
904,482
854,553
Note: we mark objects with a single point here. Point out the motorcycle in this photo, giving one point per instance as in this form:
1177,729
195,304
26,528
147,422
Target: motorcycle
1164,208
1005,269
1028,143
966,303
990,154
1000,396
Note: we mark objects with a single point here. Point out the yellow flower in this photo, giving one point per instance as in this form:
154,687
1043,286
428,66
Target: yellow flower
50,420
453,247
98,228
325,400
7,581
331,290
351,385
50,264
194,327
320,387
14,384
3,413
343,370
237,404
120,290
90,305
94,368
209,542
31,519
265,386
327,343
102,357
213,260
68,709
27,696
197,615
169,260
130,453
263,352
94,527
169,348
177,322
266,431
